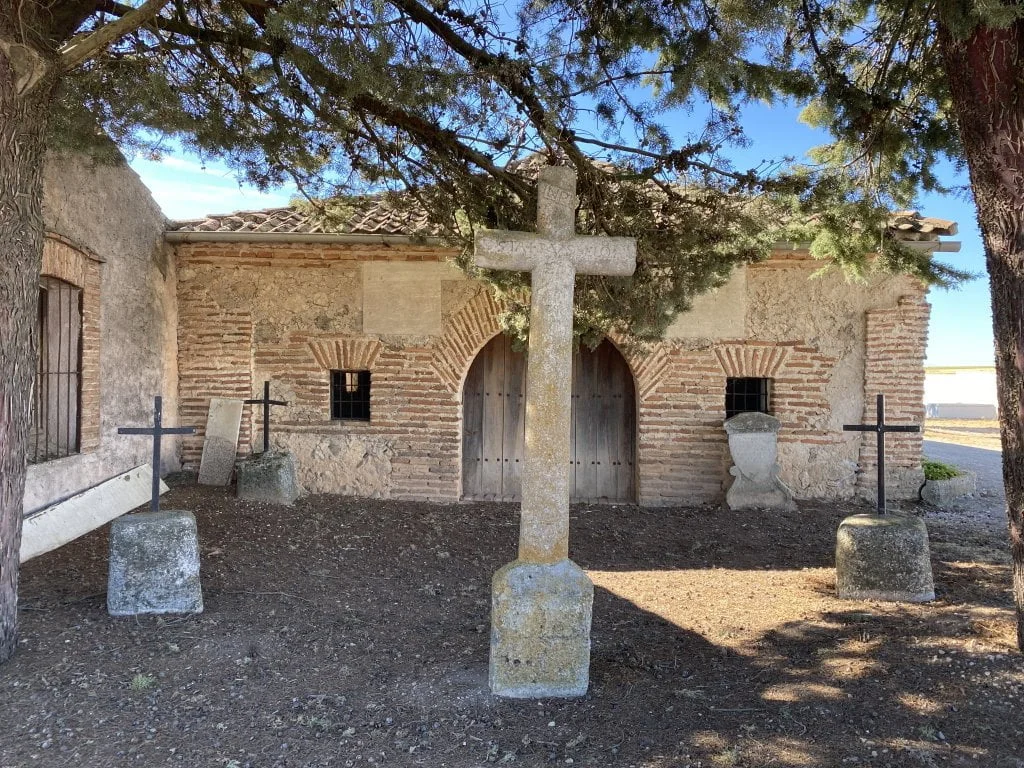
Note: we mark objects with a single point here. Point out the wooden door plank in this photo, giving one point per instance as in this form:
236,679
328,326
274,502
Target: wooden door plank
472,432
493,414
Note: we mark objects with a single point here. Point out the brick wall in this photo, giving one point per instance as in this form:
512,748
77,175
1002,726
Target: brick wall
245,316
66,262
894,366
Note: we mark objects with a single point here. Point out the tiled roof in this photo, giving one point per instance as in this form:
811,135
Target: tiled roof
369,216
380,216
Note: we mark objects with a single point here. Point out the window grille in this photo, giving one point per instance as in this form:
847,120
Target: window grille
56,402
350,395
747,394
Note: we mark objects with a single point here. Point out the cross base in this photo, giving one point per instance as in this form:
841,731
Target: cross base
540,630
884,557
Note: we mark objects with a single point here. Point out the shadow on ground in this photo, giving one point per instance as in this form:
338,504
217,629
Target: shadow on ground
345,632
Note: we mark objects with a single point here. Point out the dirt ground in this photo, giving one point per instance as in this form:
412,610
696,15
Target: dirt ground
979,433
347,632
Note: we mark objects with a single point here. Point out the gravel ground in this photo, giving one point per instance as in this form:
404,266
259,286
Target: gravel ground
350,632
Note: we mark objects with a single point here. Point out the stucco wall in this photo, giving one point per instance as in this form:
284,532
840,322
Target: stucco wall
292,313
105,210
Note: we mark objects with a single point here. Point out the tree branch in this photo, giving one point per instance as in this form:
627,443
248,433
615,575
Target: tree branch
77,51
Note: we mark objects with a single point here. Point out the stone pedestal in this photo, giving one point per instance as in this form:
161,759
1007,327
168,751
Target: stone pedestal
884,557
154,564
753,442
269,477
540,630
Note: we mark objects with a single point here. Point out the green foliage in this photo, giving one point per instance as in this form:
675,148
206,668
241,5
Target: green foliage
141,682
446,105
936,470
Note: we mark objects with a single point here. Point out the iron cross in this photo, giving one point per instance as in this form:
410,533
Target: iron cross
880,428
158,430
266,402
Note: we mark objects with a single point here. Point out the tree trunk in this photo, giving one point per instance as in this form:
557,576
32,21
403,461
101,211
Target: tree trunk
22,146
988,99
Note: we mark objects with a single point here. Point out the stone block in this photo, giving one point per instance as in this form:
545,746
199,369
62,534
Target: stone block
942,493
540,630
154,564
884,557
269,477
220,444
753,443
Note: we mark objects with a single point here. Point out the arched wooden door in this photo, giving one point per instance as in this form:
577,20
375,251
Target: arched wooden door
603,439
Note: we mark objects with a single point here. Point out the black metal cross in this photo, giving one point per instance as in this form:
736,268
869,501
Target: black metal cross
266,402
880,429
158,430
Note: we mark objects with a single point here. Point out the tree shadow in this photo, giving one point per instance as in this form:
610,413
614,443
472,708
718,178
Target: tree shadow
348,628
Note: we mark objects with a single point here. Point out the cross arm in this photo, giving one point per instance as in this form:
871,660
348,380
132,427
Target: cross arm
603,255
500,249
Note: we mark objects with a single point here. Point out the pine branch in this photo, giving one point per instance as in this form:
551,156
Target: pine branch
78,51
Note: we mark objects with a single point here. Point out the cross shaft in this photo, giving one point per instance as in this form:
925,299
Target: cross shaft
158,430
266,402
554,257
880,428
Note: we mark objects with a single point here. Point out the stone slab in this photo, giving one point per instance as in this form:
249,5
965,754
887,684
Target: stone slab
404,299
753,444
884,557
61,523
221,442
268,477
154,564
717,314
540,630
942,493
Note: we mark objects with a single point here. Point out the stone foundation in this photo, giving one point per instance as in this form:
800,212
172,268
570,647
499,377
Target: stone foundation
154,564
540,630
884,557
269,477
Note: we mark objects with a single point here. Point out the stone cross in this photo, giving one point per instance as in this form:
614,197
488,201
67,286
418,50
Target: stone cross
880,428
266,402
542,603
158,430
553,256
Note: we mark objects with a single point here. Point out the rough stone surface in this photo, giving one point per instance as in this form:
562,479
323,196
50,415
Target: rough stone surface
540,635
352,465
884,557
942,493
554,257
101,216
221,441
753,442
269,477
154,564
540,630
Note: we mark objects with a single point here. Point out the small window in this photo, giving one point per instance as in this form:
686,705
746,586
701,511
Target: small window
350,395
746,394
56,401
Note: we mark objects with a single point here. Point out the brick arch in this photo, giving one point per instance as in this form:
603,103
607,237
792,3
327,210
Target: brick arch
743,359
647,365
346,354
79,267
465,334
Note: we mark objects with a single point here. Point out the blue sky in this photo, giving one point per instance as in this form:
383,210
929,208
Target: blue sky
960,332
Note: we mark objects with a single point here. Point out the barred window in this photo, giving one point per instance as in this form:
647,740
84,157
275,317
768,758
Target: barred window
56,404
747,394
350,395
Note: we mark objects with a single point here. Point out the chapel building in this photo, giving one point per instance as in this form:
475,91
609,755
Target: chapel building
399,382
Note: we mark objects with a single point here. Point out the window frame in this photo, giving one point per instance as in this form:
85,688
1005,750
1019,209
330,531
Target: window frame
762,395
358,404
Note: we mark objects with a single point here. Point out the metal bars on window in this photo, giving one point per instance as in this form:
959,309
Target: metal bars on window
350,395
747,394
56,404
